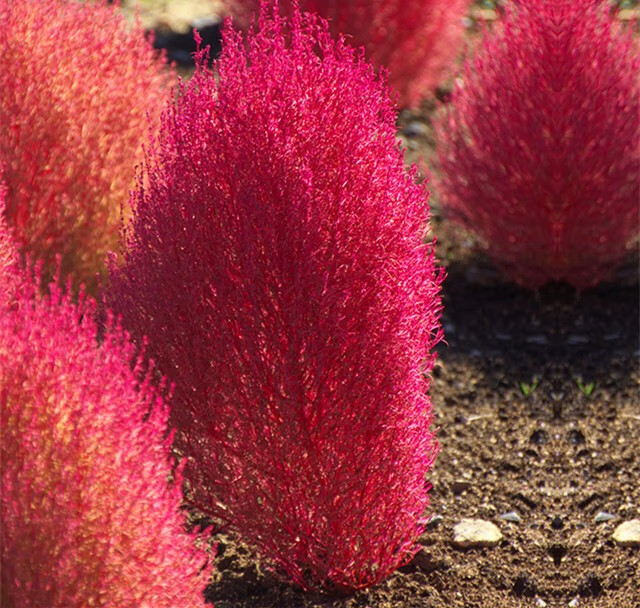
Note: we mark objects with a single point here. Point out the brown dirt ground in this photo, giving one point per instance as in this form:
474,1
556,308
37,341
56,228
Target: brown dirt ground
555,455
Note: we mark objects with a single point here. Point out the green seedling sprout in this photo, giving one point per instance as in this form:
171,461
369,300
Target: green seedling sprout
586,388
528,389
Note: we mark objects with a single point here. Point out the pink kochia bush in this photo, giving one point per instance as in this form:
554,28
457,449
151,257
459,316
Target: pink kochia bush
539,150
87,516
276,262
8,258
76,85
415,40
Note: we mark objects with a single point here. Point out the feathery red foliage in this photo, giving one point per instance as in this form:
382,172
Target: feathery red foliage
539,151
276,261
87,516
76,83
415,40
8,257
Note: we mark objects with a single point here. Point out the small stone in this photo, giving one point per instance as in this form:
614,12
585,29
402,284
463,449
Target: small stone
627,534
511,516
537,339
603,516
575,340
449,328
471,533
434,521
574,602
415,128
541,603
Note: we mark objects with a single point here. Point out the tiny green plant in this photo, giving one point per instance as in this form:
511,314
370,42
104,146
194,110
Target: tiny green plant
527,389
586,388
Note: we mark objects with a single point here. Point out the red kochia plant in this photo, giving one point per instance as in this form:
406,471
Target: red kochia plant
276,261
416,40
76,83
87,516
539,150
8,258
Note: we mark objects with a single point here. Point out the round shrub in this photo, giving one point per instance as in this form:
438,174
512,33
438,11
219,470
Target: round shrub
76,84
539,150
415,40
276,260
87,516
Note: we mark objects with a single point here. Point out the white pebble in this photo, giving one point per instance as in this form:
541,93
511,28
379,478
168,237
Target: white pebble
476,533
603,516
627,534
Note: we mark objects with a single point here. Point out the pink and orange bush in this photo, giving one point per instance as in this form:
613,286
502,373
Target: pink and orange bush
76,85
87,516
539,152
415,40
276,260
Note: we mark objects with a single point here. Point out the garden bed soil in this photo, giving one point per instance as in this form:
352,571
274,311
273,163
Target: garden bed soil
537,403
